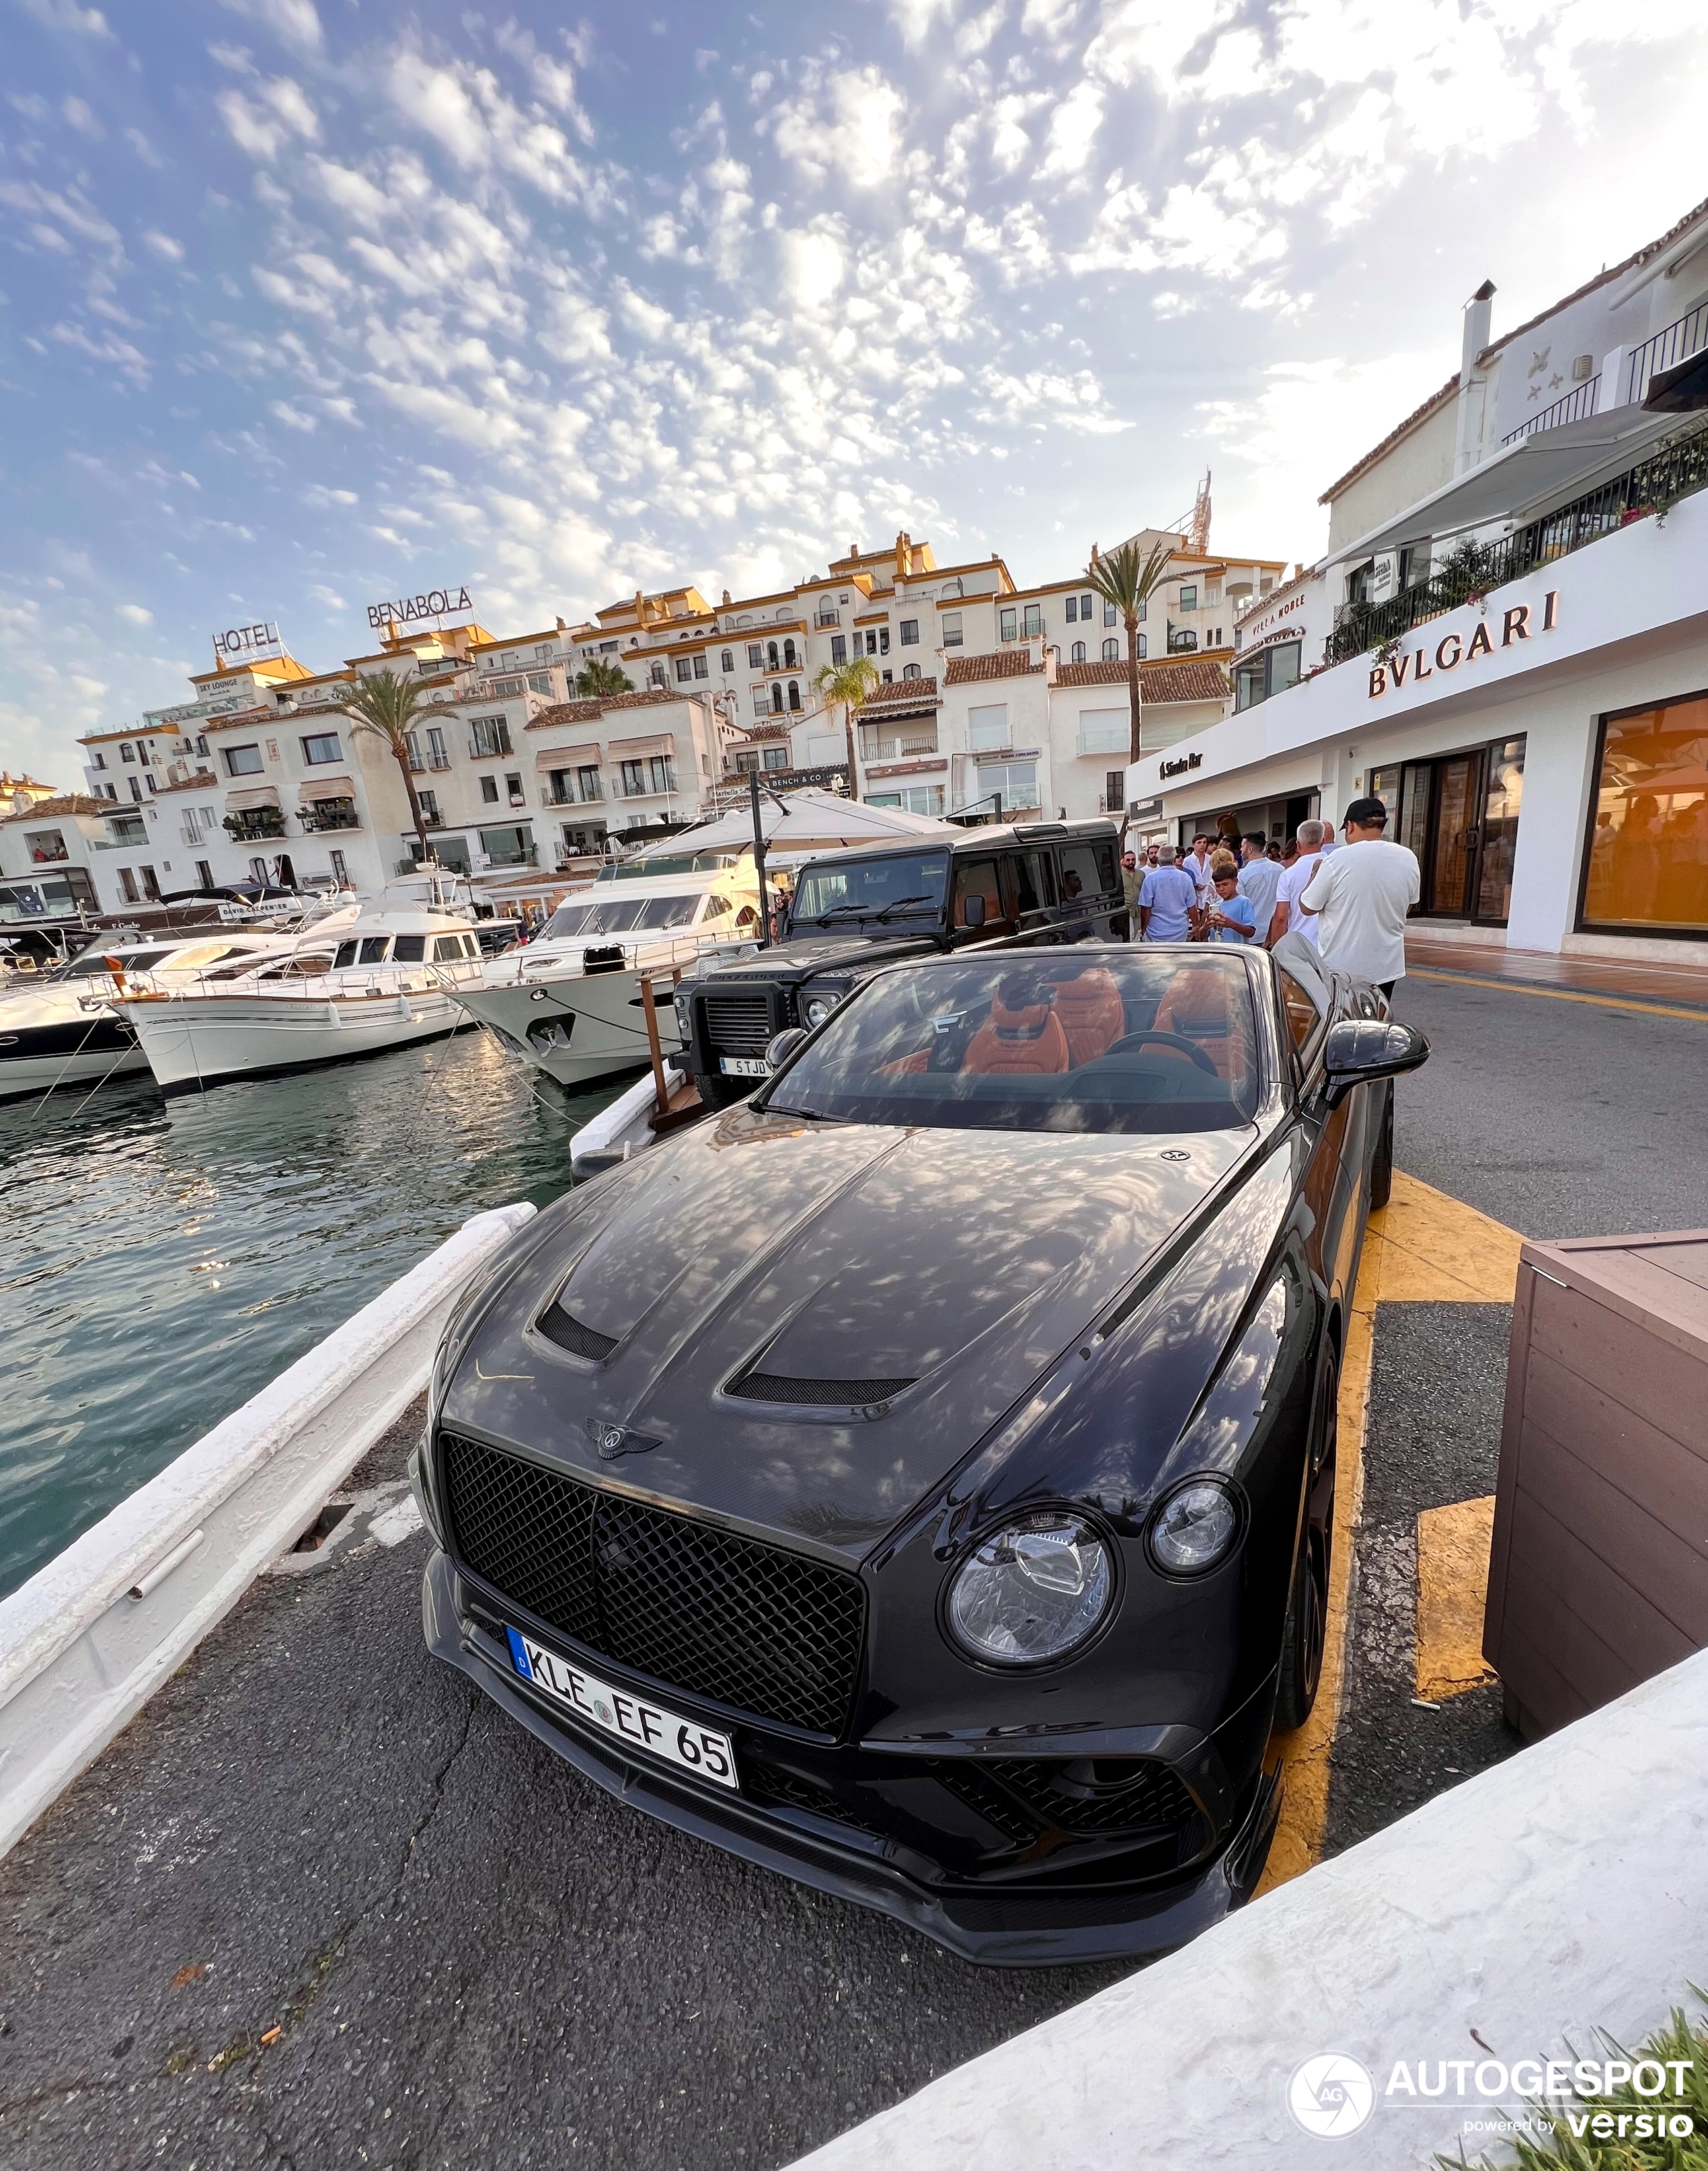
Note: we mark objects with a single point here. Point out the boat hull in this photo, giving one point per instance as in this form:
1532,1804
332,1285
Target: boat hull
54,1053
212,1040
574,1029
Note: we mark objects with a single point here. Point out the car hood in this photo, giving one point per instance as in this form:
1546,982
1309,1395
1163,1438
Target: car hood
839,1261
814,953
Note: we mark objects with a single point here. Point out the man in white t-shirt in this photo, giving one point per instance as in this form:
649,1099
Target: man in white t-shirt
1358,901
1197,864
1294,882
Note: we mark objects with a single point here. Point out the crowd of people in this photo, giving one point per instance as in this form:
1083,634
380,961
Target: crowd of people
1347,895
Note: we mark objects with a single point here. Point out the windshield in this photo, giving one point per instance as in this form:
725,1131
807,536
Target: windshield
97,961
911,884
616,915
1130,1043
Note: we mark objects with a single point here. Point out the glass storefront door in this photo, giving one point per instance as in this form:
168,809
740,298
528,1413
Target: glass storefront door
1459,813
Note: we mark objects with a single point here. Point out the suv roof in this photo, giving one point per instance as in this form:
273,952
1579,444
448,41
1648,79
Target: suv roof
986,837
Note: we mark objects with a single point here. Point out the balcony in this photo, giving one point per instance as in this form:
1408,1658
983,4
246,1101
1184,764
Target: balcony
261,825
500,749
649,788
826,621
38,858
329,814
1474,570
1572,408
1666,351
572,799
897,749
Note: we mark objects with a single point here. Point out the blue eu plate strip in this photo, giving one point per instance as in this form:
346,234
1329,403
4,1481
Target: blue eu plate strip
518,1654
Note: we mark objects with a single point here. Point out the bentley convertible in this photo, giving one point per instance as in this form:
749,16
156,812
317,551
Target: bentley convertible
919,1479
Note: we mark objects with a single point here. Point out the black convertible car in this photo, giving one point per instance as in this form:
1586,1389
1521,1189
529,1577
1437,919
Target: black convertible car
920,1478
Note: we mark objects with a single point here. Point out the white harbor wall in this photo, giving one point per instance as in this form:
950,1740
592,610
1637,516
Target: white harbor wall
85,1642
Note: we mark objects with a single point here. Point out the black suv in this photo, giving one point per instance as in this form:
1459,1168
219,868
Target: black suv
1036,881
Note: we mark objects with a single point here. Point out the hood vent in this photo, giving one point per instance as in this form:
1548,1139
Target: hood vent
839,1394
557,1325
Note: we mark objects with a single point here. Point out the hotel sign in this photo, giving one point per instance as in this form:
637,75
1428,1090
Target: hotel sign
1407,668
238,641
405,610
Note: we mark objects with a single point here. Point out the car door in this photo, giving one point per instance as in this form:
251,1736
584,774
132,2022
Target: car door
981,878
1029,883
1331,1238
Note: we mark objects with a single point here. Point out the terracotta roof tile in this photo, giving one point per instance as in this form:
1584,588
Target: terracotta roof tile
1180,679
1004,663
71,802
902,690
590,710
203,781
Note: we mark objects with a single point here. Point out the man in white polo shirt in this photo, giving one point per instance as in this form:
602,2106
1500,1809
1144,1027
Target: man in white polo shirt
1294,882
1358,901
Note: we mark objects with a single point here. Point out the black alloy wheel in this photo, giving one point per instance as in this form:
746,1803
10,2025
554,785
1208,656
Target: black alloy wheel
1382,1162
1304,1634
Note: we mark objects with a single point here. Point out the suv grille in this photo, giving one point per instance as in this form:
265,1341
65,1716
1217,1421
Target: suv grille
726,1617
739,1024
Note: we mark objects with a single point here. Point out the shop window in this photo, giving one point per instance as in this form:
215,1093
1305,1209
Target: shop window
1645,864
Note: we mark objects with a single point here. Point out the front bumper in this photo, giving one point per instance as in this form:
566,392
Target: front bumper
1101,1903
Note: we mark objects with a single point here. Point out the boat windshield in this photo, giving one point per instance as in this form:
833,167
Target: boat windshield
910,884
1155,1041
96,960
618,915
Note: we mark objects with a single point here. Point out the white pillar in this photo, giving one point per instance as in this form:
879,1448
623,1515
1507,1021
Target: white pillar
1610,392
1559,750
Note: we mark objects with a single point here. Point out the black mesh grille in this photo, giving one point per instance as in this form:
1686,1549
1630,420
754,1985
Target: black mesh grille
739,1024
743,1623
557,1325
968,1783
774,1387
1150,1798
768,1784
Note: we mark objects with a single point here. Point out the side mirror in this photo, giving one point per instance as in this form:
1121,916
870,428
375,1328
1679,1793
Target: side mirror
973,911
1361,1049
784,1046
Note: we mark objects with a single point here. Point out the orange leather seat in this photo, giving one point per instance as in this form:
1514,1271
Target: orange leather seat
1088,1008
1020,1037
1201,1006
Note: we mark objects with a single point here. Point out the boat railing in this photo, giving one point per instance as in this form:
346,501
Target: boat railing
643,949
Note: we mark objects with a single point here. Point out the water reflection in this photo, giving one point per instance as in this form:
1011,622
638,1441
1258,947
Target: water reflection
163,1259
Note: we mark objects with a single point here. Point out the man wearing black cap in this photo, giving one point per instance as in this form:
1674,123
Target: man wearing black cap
1360,897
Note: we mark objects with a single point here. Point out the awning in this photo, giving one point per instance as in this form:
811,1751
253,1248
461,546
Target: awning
1545,469
256,795
810,817
649,743
327,787
569,757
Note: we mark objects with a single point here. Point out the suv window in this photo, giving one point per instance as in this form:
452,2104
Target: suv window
978,878
1034,876
909,884
1088,870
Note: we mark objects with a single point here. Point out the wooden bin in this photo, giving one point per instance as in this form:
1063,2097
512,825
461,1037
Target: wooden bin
1599,1570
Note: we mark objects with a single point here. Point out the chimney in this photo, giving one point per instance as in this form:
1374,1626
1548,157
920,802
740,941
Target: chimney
1476,328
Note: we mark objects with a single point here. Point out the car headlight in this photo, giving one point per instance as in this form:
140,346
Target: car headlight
1032,1590
1195,1527
817,1008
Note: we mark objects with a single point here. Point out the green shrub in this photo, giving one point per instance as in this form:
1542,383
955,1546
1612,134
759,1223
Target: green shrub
1569,2150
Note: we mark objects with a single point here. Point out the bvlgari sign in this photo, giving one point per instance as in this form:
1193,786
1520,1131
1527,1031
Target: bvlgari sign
1405,667
405,610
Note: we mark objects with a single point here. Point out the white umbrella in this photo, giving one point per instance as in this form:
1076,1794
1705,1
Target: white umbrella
810,819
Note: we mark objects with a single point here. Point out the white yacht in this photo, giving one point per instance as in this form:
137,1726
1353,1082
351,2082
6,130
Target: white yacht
60,1027
356,983
570,1001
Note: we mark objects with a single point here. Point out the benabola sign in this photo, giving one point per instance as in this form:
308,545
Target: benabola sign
434,604
1453,649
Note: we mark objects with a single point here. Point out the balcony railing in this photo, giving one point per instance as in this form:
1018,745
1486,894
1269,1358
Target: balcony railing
327,817
1665,351
648,789
1678,469
575,799
1576,405
897,749
266,826
499,750
822,621
438,761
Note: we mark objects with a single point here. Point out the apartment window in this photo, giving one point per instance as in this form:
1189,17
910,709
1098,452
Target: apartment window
1110,616
239,761
748,761
429,805
987,728
1111,651
541,680
412,747
1189,596
126,751
756,655
684,670
587,781
204,874
762,702
1071,610
98,760
489,790
1143,648
512,788
136,790
1078,655
910,633
1034,624
149,781
324,746
127,886
910,670
883,641
1016,780
634,778
258,870
795,692
491,736
655,675
1085,610
1114,791
151,884
839,648
340,872
726,661
1008,625
201,744
505,688
663,774
777,757
437,756
949,626
776,697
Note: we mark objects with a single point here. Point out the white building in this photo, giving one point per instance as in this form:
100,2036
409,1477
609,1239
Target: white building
1508,639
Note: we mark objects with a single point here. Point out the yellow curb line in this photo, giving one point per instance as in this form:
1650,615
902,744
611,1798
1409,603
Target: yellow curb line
1453,1589
1563,995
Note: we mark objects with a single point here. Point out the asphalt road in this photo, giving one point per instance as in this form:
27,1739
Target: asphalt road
473,1958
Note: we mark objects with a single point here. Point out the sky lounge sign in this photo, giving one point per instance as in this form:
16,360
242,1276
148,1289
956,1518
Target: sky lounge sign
1405,667
409,610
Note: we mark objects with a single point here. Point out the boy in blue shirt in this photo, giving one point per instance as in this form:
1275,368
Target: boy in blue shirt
1231,919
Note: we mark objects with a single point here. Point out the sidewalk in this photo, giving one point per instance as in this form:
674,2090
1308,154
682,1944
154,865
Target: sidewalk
1433,948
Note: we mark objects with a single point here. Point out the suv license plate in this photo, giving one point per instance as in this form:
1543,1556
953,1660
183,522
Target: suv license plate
681,1741
744,1066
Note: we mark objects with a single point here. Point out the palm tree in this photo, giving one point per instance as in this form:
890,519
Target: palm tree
390,708
597,676
1128,579
848,686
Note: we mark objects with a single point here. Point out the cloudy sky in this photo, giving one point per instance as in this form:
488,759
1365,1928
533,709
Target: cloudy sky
306,302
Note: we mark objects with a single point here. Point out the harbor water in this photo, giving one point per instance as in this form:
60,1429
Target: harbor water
163,1259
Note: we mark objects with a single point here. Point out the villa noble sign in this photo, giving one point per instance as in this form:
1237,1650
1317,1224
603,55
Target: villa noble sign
404,610
1453,649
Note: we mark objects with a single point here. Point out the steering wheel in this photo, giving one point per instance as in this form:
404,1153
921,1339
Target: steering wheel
1178,1041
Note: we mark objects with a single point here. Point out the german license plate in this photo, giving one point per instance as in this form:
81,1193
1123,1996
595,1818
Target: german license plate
744,1066
643,1725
